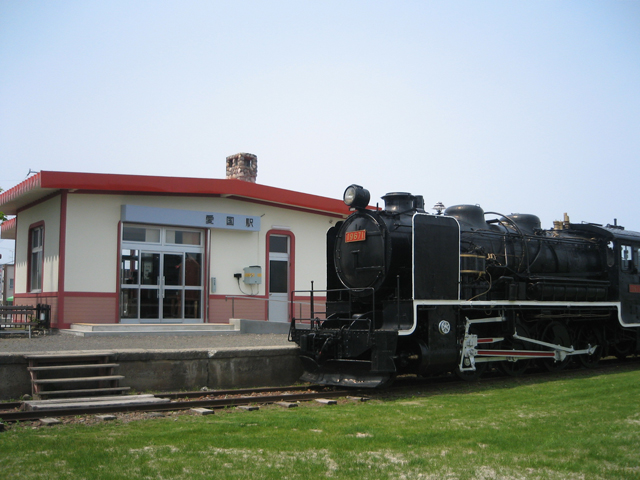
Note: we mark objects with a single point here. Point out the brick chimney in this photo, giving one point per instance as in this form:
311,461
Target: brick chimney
242,166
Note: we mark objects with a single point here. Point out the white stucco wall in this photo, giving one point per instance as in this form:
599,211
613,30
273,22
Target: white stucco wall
91,260
92,240
232,251
48,212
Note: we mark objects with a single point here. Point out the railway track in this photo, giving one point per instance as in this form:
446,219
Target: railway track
11,412
217,399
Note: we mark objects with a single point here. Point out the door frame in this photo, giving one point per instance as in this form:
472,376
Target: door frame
292,280
163,248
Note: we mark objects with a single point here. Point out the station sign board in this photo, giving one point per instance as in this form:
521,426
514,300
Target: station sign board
189,218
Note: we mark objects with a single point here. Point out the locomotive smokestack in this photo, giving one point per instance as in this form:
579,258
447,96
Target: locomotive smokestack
398,202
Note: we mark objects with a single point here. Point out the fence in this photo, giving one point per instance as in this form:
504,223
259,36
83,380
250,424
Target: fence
25,317
299,309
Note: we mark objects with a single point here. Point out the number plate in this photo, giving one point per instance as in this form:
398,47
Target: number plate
357,236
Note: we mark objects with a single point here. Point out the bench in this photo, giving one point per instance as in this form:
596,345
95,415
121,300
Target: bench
25,317
19,325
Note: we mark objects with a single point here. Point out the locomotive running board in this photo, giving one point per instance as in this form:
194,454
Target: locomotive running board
511,304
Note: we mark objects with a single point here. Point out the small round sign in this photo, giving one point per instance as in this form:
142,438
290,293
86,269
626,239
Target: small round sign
444,327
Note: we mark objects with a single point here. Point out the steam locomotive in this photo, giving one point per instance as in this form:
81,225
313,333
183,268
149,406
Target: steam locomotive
410,292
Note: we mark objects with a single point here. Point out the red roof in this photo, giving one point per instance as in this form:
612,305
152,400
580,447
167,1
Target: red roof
46,183
8,229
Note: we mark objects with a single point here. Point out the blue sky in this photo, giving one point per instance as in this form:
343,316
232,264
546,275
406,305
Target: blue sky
521,107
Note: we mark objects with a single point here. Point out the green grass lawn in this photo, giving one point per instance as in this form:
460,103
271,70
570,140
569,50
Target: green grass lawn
584,425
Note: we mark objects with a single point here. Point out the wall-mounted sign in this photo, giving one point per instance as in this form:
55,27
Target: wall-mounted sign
189,218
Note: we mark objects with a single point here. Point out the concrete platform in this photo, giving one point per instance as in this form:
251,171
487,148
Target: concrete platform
173,370
256,354
234,327
120,329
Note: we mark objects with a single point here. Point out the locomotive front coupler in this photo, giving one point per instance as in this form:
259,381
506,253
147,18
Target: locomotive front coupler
324,350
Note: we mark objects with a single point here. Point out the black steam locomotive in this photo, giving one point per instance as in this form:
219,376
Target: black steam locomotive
413,292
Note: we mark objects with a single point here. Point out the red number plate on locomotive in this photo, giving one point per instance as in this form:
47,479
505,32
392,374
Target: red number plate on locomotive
357,236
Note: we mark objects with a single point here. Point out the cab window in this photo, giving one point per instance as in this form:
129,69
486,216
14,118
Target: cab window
628,261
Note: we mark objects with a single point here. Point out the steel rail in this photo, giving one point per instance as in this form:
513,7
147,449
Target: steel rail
239,391
8,406
172,406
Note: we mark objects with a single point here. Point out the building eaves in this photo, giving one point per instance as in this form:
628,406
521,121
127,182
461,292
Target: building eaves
8,229
46,183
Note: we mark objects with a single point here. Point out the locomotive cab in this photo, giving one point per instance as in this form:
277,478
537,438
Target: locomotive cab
629,280
622,263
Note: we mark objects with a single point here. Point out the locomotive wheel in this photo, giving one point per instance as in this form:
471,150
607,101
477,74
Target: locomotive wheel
588,336
623,349
414,357
388,382
557,334
515,369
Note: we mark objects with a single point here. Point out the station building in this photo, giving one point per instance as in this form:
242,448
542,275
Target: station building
104,248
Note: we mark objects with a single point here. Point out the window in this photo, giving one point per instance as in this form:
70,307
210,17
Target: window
140,234
628,258
278,276
36,247
183,237
278,244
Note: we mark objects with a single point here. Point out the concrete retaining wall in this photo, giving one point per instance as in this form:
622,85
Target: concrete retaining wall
170,370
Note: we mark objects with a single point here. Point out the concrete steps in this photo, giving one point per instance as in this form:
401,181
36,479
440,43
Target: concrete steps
78,375
95,330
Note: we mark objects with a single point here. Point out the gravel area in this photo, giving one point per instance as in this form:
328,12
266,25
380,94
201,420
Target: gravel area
63,342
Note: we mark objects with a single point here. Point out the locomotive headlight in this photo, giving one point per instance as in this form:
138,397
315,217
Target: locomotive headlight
356,196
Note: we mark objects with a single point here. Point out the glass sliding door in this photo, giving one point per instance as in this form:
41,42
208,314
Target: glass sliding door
149,284
172,281
129,281
193,276
162,286
182,285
